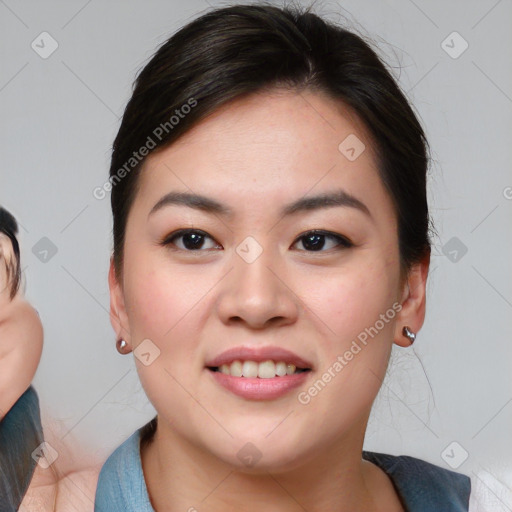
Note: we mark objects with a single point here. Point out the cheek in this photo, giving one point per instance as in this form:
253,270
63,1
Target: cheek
354,299
159,296
151,304
356,340
166,304
163,303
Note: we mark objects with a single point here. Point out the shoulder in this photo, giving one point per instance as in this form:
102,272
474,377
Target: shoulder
121,485
423,486
21,344
21,327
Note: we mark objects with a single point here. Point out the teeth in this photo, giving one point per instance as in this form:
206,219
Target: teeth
264,370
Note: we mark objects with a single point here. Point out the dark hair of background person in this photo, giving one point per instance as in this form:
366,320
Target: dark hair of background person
9,227
235,51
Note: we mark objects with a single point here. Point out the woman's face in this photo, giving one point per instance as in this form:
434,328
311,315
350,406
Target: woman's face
257,277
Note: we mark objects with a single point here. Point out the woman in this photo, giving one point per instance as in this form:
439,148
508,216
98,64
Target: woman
21,340
271,243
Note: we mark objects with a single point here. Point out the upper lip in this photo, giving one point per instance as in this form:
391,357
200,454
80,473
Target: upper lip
258,354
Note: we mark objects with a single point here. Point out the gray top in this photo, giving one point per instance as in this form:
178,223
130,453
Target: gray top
421,486
20,435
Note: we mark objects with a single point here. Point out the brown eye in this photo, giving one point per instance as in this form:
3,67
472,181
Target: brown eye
315,241
192,240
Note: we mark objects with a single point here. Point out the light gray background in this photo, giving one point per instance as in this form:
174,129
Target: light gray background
59,116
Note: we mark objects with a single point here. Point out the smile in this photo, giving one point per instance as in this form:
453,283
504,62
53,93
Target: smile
266,380
262,370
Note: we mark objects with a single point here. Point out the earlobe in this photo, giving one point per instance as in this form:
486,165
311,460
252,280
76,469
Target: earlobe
412,315
118,316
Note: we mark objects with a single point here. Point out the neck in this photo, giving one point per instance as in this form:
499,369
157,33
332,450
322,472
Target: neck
336,478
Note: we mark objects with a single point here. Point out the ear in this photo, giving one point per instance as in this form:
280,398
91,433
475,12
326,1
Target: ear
118,316
413,301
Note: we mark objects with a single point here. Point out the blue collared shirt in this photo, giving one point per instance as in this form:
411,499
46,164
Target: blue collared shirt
421,486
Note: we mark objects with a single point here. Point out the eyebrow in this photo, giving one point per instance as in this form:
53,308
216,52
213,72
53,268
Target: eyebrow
326,200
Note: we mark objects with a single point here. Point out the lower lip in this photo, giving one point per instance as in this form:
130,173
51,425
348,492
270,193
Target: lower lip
260,389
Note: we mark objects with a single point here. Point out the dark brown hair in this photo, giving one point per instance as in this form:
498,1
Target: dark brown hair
235,51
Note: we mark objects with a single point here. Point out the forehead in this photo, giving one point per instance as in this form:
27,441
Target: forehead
280,144
298,121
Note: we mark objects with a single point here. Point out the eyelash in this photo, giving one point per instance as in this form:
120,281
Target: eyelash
343,242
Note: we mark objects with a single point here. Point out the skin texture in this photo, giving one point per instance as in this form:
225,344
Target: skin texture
21,337
255,155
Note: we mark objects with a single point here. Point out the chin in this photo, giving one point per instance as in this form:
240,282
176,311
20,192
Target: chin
260,452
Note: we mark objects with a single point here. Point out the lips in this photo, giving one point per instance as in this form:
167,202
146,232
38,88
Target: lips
258,355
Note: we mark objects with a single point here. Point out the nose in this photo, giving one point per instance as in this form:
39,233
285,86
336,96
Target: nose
258,293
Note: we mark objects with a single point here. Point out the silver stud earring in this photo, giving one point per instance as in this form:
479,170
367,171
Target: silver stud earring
409,334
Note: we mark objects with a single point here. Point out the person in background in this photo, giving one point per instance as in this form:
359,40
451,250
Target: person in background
21,343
